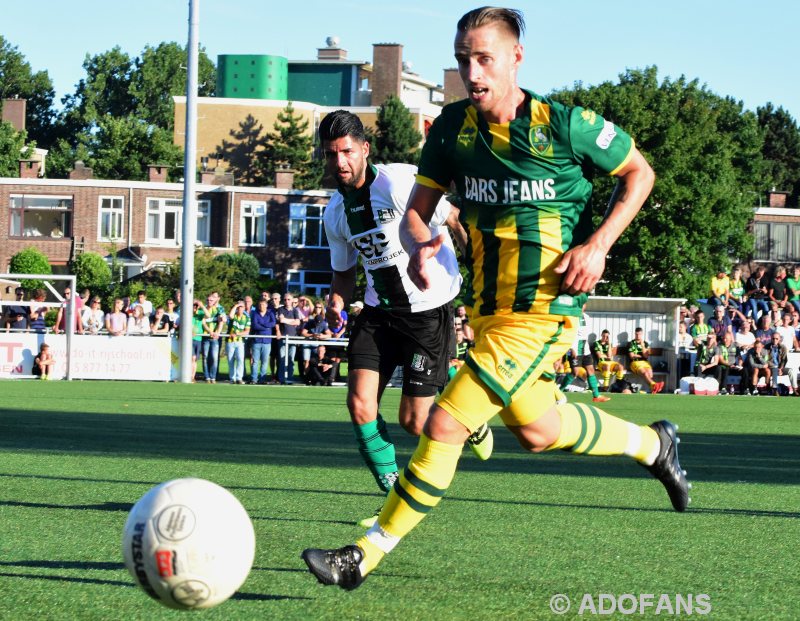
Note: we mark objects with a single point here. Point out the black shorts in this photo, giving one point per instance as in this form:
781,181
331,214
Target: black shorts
419,342
584,361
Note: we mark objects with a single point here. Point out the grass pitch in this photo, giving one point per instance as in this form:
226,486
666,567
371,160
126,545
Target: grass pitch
510,534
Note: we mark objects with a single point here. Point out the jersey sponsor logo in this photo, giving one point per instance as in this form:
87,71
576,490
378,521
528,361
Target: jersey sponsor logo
418,362
509,191
385,215
371,244
606,135
466,136
541,139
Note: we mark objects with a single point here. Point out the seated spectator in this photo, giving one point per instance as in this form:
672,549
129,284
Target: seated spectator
720,323
699,329
161,324
720,290
37,313
638,353
787,332
793,287
93,317
730,364
43,363
708,358
16,316
117,320
745,338
315,329
757,294
262,326
737,319
604,360
320,368
141,300
138,322
777,359
756,365
239,326
764,332
61,318
778,292
736,299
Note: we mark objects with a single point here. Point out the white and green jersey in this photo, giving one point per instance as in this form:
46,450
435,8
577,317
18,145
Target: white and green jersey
366,222
581,344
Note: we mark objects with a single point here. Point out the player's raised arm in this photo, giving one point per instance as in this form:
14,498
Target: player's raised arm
583,265
415,236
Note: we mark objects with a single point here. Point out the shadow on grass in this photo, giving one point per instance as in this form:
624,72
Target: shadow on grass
771,459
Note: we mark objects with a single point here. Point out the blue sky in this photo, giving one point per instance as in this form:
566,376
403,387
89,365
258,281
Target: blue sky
743,49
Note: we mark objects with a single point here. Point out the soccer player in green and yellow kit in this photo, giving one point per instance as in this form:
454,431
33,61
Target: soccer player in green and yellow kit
518,162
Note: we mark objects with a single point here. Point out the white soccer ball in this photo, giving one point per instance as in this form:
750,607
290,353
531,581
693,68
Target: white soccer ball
189,543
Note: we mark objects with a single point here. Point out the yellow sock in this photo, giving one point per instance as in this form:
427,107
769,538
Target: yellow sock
588,430
418,490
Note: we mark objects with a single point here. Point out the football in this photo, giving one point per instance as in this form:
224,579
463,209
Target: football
188,543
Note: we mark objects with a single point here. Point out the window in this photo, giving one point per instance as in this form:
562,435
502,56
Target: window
312,283
164,221
253,225
111,218
35,215
305,226
776,241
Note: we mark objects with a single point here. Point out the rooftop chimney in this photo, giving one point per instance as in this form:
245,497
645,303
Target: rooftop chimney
14,112
387,71
157,173
81,171
29,169
284,178
776,198
453,86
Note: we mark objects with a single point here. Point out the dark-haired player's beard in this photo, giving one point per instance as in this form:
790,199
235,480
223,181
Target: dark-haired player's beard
353,176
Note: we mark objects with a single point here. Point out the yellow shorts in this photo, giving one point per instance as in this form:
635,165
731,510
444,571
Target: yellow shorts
640,366
510,370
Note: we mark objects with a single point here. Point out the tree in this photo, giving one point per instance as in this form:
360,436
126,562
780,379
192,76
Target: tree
244,274
396,138
244,153
12,148
291,146
91,272
158,74
704,149
781,151
122,148
30,261
17,79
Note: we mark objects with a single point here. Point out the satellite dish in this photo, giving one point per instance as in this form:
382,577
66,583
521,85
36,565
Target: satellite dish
332,41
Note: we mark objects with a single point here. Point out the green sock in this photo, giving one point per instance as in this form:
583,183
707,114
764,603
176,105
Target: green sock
377,449
592,381
568,379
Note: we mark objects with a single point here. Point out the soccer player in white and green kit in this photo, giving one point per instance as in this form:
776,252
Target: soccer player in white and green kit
519,163
399,325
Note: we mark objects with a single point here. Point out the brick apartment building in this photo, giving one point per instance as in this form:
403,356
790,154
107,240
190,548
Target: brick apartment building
141,220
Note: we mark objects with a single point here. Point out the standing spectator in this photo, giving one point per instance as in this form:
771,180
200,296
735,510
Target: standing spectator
736,299
638,353
686,351
172,312
275,301
756,291
117,320
778,358
765,331
320,368
315,328
138,322
93,317
720,290
720,323
213,324
793,287
198,314
161,324
262,327
777,288
141,300
248,344
239,326
289,324
306,308
757,365
38,312
61,318
16,316
699,329
43,363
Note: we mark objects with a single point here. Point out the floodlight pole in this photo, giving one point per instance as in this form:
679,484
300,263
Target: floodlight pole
189,198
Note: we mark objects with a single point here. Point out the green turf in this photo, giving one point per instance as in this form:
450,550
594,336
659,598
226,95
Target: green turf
510,533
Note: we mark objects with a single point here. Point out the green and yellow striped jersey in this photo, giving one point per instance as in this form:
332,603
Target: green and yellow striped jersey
525,195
